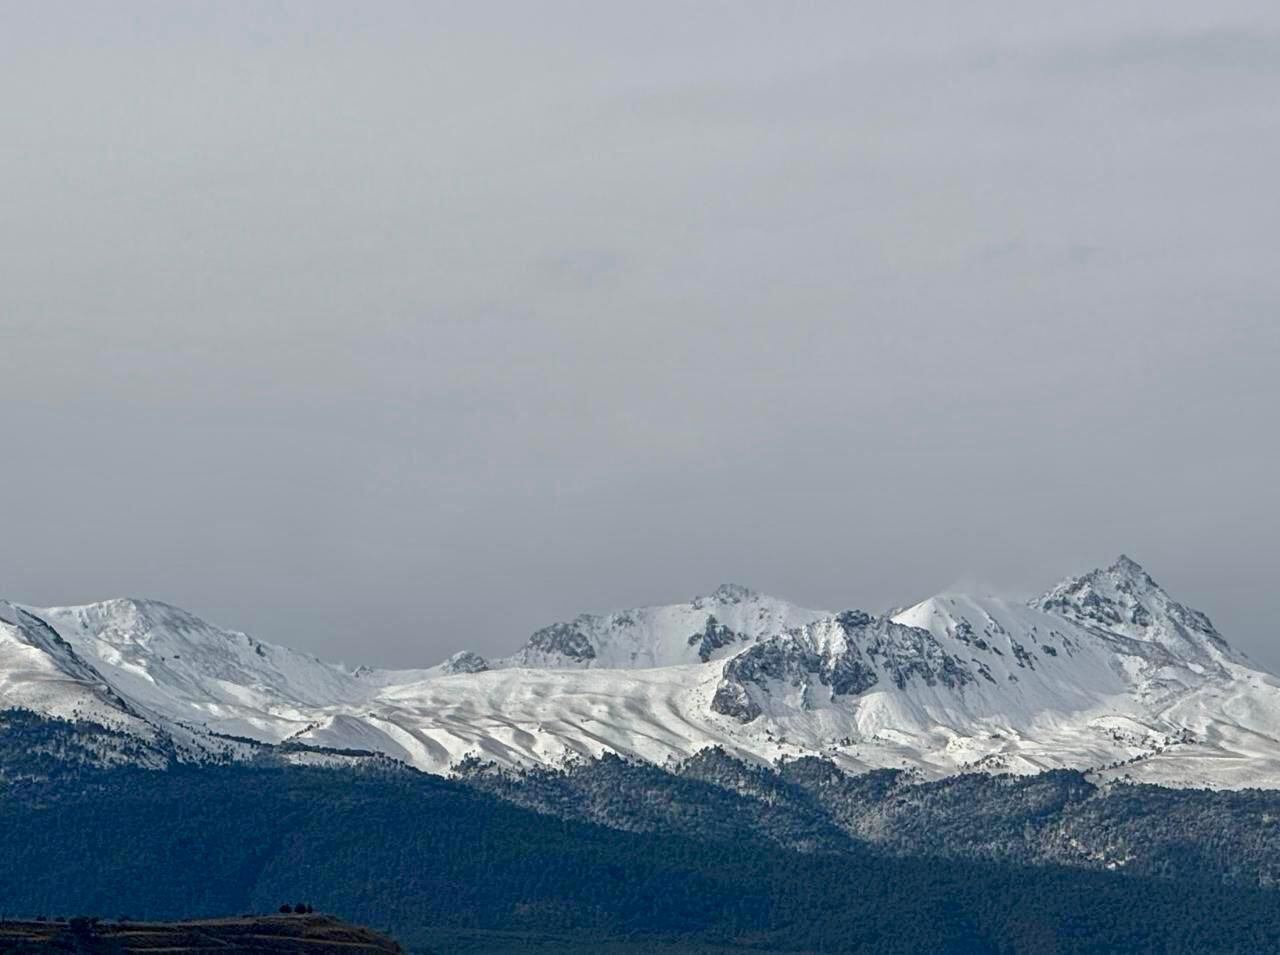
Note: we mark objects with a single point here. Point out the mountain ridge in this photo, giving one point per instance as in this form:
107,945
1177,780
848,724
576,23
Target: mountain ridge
1101,669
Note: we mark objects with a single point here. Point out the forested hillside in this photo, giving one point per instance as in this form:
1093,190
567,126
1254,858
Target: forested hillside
1057,817
414,855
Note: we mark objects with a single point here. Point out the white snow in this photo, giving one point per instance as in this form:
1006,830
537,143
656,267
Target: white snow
666,635
1105,672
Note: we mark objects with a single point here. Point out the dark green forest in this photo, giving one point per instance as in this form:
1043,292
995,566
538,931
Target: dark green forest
1057,817
419,856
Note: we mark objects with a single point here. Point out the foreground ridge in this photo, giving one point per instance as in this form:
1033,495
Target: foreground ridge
268,935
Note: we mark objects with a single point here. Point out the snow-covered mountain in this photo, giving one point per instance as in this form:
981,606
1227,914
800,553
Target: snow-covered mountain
170,663
1104,671
705,629
40,671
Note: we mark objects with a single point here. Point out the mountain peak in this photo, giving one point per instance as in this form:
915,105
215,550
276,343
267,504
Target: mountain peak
732,593
1123,599
1129,575
133,617
1124,564
1124,574
661,635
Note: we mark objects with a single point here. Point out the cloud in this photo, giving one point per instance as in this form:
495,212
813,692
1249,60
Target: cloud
413,327
1218,49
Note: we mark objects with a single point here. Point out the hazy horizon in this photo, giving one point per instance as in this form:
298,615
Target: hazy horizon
387,330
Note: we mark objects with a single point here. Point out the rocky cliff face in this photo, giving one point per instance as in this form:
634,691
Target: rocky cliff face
842,656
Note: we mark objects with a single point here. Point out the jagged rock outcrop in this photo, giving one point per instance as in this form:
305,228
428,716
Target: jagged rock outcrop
713,637
845,655
564,640
465,662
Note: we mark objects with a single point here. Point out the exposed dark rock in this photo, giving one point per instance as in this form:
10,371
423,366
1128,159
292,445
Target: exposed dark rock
872,649
564,639
712,637
465,662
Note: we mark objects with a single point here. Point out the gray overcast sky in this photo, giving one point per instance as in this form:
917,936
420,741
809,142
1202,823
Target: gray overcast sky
384,329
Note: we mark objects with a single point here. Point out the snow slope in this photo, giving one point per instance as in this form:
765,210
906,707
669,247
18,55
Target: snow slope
173,664
40,671
1105,672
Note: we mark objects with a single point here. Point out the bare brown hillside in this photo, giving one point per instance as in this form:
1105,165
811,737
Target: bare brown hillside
261,935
